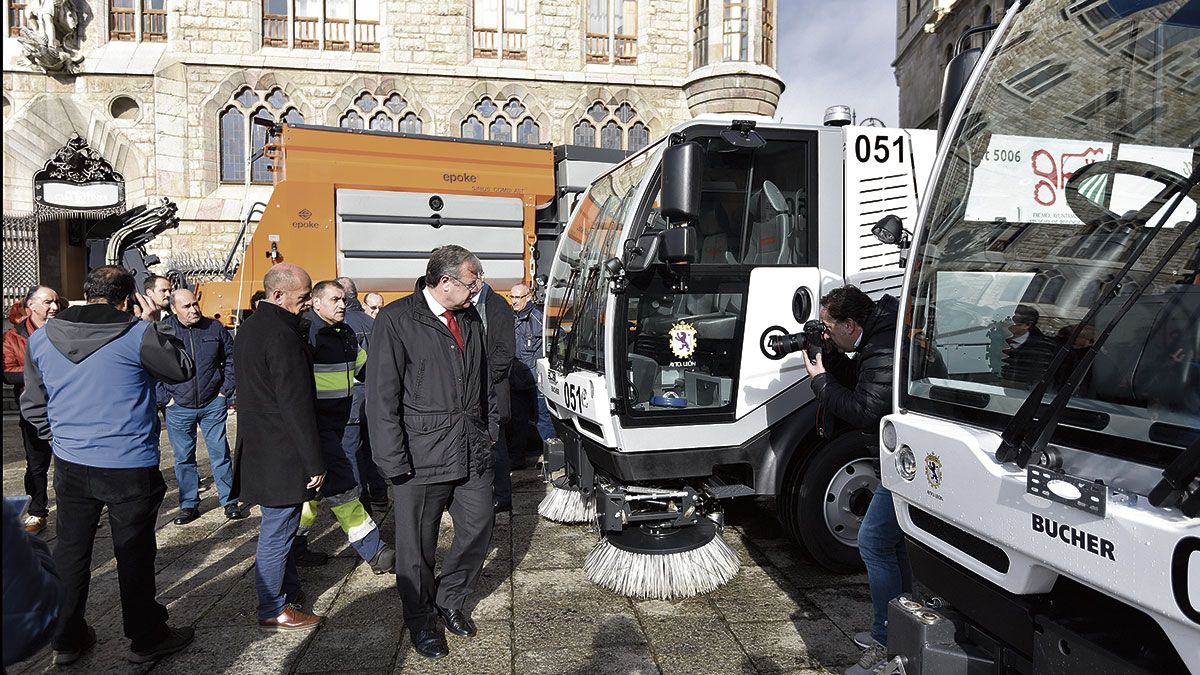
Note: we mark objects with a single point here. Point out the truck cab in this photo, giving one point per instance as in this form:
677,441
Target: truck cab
661,374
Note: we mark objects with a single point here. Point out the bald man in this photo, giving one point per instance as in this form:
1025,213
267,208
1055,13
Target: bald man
372,303
203,402
527,401
278,462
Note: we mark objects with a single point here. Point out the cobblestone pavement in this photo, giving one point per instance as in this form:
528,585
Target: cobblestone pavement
536,611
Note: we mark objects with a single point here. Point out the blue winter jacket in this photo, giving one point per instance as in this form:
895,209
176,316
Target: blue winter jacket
529,348
32,589
211,347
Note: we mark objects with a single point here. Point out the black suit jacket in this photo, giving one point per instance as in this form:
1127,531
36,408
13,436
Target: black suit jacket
501,347
430,404
277,447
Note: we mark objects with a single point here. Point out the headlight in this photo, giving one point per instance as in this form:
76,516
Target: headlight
906,463
888,436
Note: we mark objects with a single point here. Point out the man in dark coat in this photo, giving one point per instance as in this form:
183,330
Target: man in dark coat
277,462
500,338
433,422
356,439
527,402
1027,352
859,392
201,401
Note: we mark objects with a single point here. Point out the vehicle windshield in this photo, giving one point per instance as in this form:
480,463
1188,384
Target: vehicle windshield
1016,249
578,286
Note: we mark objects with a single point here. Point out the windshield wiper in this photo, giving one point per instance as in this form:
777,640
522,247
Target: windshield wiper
1175,487
562,308
1018,446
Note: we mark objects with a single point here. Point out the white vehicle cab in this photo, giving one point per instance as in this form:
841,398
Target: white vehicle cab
1046,436
677,269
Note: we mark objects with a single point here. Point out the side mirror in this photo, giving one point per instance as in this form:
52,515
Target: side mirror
958,71
681,168
641,255
890,230
679,245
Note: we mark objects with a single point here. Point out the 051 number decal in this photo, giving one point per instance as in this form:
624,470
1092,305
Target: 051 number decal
882,151
574,397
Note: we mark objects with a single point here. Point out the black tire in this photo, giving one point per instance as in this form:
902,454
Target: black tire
844,465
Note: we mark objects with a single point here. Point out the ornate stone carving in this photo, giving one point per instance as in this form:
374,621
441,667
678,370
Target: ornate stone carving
51,39
76,162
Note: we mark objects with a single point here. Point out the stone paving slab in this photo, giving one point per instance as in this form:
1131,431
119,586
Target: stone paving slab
536,611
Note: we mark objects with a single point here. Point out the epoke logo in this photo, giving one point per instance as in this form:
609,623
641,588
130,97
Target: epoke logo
683,340
304,214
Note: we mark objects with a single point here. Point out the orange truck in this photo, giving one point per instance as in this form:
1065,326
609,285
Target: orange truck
371,205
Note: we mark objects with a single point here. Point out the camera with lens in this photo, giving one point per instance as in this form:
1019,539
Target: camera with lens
810,339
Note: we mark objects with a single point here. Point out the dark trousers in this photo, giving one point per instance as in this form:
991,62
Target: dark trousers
132,497
418,510
276,580
503,472
358,445
37,466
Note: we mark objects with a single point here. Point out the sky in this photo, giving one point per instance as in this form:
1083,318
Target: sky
837,52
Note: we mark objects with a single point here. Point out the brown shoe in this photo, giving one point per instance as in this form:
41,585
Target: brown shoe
34,524
291,619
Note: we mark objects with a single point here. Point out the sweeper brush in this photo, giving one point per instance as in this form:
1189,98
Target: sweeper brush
662,564
566,504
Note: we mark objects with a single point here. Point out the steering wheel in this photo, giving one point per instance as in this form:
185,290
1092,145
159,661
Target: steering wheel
1090,212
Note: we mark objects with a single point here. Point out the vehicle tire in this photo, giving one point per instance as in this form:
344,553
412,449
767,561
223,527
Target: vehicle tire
823,498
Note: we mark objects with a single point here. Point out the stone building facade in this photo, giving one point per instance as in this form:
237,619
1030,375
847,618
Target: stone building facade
165,89
926,34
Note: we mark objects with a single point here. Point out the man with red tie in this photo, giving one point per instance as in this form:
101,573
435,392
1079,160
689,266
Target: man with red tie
433,422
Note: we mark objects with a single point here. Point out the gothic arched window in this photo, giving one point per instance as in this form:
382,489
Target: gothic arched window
380,113
240,138
498,122
620,127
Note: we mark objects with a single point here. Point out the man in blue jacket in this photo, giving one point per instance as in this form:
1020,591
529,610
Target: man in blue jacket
89,389
32,589
202,400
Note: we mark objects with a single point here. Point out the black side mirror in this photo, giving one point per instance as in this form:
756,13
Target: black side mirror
890,230
641,255
958,71
679,245
681,167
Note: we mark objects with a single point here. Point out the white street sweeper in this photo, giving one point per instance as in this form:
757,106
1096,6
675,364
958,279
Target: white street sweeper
1045,445
680,273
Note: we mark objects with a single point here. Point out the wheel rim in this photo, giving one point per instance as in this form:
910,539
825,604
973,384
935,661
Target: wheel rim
846,499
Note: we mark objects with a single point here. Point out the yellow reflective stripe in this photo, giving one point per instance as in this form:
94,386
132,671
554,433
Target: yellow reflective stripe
353,518
308,513
339,367
333,382
360,360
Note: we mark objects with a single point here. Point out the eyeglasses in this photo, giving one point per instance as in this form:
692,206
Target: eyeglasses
518,297
473,287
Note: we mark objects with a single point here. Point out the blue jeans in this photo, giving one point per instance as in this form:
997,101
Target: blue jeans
181,430
275,576
544,425
881,546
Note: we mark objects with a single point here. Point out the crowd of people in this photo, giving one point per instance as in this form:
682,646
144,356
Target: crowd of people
425,403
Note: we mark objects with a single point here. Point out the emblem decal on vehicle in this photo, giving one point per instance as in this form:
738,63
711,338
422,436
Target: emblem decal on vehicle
683,340
933,470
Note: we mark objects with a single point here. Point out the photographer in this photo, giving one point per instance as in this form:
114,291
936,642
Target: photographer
859,391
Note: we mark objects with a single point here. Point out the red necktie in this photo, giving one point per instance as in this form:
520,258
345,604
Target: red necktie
452,324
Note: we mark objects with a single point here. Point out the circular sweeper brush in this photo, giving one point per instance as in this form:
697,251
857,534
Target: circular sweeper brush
567,504
662,563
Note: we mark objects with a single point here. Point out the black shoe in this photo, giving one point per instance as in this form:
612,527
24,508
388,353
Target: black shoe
384,562
430,644
309,558
176,639
297,600
457,622
63,657
186,516
233,512
502,507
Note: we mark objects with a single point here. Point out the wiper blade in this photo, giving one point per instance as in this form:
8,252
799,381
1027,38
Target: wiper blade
1019,447
1175,488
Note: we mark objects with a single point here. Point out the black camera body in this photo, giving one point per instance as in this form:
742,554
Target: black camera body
811,339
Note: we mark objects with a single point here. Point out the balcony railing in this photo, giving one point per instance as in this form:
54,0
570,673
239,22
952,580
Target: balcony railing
597,48
337,34
275,32
514,44
124,24
154,25
307,34
488,42
624,48
366,36
16,18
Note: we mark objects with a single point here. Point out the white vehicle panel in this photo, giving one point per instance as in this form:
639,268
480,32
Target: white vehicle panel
971,491
768,305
